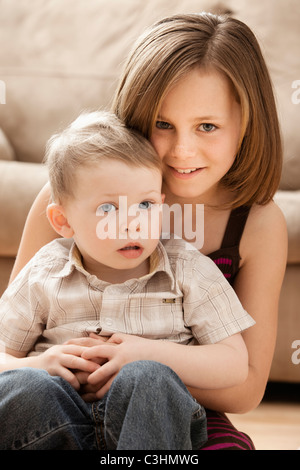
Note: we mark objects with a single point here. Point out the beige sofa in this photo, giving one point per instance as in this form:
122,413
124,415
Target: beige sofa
59,58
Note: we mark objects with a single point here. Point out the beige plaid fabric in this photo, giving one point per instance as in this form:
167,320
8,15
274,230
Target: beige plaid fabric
185,298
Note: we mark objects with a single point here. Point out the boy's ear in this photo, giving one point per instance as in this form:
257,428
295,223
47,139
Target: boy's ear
58,220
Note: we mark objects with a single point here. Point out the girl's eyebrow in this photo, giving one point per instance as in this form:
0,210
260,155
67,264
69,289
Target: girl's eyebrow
208,118
161,118
198,118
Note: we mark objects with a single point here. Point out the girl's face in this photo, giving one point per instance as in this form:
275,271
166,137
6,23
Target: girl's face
197,135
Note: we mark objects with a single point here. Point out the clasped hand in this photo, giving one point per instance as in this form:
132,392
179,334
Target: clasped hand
101,359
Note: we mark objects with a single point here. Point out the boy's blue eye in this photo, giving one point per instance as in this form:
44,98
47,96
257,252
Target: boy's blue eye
105,208
145,205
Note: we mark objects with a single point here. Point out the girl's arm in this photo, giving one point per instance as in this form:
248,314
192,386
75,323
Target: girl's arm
258,284
223,364
37,231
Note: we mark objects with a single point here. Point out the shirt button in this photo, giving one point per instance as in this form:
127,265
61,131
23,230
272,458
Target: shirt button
108,322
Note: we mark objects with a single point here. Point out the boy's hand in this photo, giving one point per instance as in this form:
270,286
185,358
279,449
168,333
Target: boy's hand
87,390
119,350
63,360
89,341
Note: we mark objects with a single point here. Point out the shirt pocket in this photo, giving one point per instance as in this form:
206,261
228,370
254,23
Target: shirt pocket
156,316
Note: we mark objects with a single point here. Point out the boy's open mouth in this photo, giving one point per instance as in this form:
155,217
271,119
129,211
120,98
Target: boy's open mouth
134,247
132,250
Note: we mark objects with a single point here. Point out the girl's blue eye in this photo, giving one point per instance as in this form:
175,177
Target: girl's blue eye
105,208
145,205
206,127
162,125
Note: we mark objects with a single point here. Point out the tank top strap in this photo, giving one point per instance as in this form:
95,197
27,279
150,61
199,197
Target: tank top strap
235,226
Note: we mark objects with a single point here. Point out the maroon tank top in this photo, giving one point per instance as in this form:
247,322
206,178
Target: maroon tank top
227,258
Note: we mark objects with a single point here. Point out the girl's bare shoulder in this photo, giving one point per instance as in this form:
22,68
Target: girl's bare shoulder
265,232
263,215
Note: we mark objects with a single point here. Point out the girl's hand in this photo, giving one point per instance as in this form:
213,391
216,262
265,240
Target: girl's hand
119,350
89,341
62,360
86,390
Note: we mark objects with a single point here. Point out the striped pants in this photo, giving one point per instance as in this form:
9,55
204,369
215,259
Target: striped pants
222,435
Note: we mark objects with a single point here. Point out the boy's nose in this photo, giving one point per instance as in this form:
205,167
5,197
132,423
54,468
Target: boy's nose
130,226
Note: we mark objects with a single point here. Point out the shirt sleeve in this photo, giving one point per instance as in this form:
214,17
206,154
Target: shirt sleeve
211,307
20,314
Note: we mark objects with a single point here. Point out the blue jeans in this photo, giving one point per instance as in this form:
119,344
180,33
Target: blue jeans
147,407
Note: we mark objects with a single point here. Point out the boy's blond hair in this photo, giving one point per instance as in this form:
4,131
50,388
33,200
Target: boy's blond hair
173,47
91,138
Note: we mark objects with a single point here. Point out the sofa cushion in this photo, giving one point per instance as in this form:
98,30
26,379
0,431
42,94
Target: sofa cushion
20,183
289,202
6,150
64,57
276,26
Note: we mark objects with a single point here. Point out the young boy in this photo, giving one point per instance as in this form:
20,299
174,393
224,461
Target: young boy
110,275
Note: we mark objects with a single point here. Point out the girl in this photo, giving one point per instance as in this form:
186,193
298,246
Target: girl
198,88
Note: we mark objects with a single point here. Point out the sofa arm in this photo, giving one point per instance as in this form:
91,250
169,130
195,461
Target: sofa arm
20,182
6,150
289,203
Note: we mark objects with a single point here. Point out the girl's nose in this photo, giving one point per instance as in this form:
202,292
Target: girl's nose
183,148
183,152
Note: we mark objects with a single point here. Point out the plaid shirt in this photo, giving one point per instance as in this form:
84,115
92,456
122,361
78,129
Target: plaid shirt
184,298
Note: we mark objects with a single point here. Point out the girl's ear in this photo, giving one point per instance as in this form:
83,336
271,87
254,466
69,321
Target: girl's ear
58,220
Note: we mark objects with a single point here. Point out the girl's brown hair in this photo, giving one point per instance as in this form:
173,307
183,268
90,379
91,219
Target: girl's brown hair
174,46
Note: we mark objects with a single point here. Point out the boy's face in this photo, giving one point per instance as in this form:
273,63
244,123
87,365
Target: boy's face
116,216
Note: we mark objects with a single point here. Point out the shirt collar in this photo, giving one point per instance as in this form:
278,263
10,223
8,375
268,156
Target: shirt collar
159,262
73,262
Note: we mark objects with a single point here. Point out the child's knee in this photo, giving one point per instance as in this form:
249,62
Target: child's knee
144,370
149,375
26,383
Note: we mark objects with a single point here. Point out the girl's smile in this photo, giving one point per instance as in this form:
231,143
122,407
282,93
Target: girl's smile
186,173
